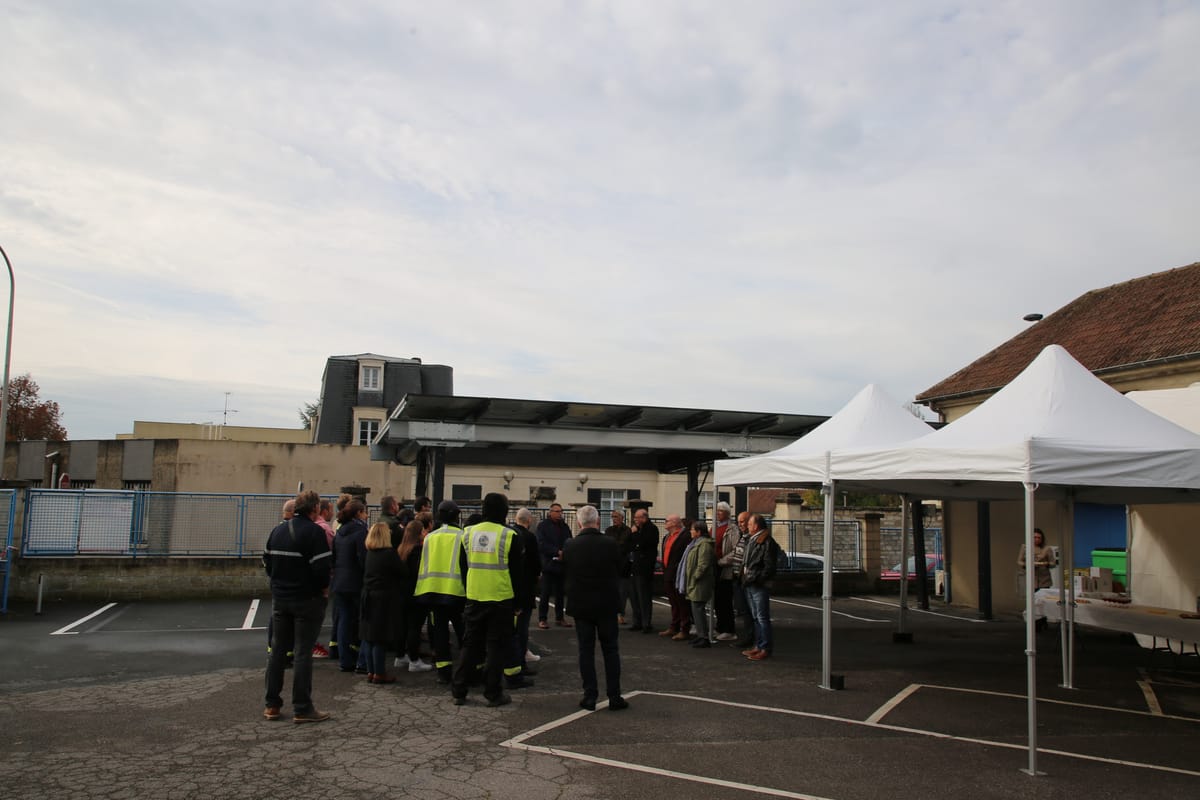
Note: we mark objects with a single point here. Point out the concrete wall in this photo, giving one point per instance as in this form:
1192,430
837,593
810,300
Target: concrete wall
137,579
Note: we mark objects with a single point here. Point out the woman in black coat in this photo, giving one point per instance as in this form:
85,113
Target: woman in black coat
414,611
381,600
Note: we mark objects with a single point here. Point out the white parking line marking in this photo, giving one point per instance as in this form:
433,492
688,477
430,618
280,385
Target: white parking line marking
917,610
519,742
102,623
1151,698
900,697
818,608
1059,702
248,622
66,630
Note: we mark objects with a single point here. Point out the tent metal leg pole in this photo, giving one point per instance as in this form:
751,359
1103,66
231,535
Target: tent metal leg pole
1070,615
827,588
902,622
1030,632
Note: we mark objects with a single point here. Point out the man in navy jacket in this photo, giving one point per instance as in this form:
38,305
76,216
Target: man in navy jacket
297,559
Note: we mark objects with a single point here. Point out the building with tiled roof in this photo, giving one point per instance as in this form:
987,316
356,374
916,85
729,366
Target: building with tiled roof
1140,334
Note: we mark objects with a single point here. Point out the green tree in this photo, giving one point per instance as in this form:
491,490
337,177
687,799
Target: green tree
29,417
308,412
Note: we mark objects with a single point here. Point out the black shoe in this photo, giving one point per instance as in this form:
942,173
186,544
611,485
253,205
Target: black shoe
635,628
1041,624
501,699
361,671
588,704
647,629
528,671
618,703
460,701
701,643
518,682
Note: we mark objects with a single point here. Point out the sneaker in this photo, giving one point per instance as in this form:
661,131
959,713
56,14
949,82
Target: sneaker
319,651
310,716
532,656
725,637
618,703
501,699
271,713
401,661
419,666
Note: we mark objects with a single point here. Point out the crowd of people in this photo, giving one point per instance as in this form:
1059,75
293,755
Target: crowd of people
417,570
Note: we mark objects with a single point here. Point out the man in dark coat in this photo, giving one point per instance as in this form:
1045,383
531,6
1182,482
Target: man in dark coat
297,559
623,535
592,564
552,533
645,556
517,671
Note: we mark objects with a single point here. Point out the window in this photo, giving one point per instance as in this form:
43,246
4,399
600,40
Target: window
469,492
706,501
369,378
368,429
136,486
610,499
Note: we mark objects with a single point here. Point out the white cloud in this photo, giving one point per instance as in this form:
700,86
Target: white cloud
621,202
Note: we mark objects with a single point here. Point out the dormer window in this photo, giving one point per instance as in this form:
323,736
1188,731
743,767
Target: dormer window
370,378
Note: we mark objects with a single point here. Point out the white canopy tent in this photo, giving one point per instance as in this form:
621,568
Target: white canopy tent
871,418
1056,429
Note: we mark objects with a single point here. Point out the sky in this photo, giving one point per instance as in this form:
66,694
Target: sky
761,206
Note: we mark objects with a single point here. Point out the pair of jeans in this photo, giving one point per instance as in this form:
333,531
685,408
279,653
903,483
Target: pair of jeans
700,618
520,645
552,584
376,658
759,600
345,614
681,610
643,599
295,625
723,605
587,630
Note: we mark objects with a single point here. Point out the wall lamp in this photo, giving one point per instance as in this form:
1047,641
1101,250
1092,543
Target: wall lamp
583,478
508,479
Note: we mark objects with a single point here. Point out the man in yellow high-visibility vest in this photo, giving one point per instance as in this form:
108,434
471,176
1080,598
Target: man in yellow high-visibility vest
491,561
441,586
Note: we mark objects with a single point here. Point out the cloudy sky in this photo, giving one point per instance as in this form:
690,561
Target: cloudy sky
759,206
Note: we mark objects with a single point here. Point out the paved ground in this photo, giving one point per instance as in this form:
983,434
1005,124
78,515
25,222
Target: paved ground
148,700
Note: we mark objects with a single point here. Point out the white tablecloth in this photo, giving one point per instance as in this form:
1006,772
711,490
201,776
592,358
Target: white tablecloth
1165,623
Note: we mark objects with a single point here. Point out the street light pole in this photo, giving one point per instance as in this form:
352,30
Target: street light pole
12,293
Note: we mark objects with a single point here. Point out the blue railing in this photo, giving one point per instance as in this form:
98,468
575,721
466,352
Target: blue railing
8,507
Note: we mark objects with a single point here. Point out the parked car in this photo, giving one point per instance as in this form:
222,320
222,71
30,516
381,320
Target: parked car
800,562
932,562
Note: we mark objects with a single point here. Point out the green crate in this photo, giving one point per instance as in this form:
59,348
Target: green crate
1116,560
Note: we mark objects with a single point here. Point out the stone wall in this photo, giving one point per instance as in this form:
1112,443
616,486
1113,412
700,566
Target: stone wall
137,579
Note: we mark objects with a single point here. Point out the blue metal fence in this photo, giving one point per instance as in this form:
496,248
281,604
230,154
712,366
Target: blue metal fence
65,522
8,505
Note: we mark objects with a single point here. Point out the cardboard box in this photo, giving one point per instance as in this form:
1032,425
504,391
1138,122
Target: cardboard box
1101,578
1083,583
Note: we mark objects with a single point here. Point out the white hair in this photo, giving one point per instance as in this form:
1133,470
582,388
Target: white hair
523,517
588,517
619,513
723,506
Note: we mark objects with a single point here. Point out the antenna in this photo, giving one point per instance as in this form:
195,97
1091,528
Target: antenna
225,412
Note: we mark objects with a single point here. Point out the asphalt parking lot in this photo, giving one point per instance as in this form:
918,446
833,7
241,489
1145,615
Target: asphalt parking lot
164,700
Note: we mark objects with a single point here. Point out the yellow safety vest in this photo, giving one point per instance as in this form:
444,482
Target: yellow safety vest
488,545
440,569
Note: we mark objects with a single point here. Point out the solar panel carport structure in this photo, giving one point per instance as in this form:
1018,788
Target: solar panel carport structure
431,431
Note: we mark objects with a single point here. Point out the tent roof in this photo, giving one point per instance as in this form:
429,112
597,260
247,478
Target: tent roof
1055,425
871,418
